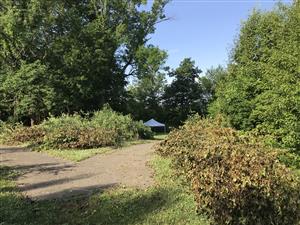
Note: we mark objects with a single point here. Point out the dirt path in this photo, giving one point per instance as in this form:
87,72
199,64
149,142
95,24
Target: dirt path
46,177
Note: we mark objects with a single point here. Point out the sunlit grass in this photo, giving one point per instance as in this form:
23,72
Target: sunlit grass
160,136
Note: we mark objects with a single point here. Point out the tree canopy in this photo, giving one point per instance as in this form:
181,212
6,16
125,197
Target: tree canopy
80,51
145,93
262,90
75,56
184,95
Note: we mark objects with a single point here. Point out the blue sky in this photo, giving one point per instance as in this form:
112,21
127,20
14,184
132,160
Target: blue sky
203,29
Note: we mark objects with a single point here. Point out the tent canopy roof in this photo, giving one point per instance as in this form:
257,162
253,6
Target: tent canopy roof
154,123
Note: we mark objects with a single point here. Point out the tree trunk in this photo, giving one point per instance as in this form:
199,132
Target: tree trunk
31,121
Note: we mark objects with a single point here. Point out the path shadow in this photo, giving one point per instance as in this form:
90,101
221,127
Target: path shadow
45,184
54,168
9,149
74,193
4,161
126,207
77,206
117,207
10,173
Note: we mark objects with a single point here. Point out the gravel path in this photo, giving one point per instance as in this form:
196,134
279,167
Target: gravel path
46,177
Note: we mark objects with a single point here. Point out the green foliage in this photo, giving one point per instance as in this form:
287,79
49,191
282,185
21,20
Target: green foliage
262,90
15,133
209,82
149,61
145,93
125,126
236,180
122,125
65,56
75,132
290,159
4,127
144,132
28,92
184,95
104,128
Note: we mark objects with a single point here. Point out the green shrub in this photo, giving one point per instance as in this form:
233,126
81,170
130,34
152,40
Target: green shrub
291,159
235,179
125,126
83,137
63,131
65,121
110,120
144,132
5,131
104,128
73,131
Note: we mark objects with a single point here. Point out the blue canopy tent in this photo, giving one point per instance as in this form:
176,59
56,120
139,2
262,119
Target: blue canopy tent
153,123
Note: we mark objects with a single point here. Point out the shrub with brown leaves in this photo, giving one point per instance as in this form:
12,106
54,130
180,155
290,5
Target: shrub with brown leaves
104,128
34,134
236,180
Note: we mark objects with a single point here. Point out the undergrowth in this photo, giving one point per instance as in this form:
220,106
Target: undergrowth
235,179
104,128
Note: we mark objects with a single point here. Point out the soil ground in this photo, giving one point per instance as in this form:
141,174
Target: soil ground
46,177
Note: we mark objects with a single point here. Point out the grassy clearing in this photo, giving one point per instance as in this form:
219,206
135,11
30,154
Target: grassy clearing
169,202
160,136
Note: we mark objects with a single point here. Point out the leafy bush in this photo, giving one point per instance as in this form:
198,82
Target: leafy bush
290,159
104,128
84,137
124,126
5,130
22,134
235,179
144,132
63,132
66,121
17,133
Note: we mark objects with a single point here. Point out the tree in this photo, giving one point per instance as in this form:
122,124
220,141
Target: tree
147,90
86,46
28,93
184,95
262,90
209,82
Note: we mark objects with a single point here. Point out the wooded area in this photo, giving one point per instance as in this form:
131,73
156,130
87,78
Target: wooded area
75,56
79,77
